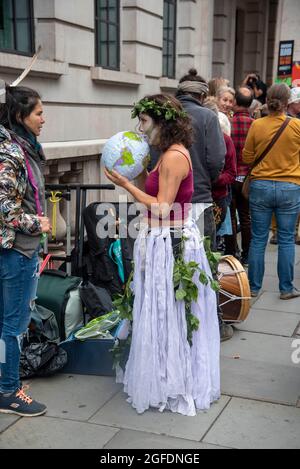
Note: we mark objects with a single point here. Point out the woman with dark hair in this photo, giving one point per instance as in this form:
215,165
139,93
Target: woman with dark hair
174,355
274,189
21,225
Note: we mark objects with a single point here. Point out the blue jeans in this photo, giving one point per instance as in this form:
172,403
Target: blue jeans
18,285
283,199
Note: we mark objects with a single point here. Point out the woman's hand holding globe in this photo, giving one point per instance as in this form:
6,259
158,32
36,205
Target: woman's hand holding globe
116,178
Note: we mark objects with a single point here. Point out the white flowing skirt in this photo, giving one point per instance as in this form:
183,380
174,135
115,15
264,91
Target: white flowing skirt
163,371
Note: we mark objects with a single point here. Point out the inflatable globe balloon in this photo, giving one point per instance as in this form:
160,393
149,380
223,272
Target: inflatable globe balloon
127,153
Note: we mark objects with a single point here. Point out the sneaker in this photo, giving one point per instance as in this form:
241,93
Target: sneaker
290,296
254,294
244,261
226,332
21,404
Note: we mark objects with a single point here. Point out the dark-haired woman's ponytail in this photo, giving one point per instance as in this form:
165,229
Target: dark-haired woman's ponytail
193,72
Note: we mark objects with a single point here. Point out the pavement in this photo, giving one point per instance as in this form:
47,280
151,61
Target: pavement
259,408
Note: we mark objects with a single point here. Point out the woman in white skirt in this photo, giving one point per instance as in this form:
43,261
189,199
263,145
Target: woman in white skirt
174,355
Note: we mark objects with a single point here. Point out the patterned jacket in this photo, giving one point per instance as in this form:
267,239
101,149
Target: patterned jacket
13,183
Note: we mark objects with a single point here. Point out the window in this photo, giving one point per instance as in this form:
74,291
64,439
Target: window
169,44
108,34
16,26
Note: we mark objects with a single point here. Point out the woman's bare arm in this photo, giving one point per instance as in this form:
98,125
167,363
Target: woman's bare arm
173,170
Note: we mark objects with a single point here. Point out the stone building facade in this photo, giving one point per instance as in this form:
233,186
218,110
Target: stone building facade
98,57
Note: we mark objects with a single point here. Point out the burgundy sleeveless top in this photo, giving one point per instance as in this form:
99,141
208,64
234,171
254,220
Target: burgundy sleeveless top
182,202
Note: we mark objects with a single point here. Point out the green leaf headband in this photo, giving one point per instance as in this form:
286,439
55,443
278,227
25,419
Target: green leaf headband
166,110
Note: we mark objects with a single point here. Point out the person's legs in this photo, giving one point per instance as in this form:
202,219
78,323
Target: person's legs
243,209
18,276
231,246
287,210
222,205
18,282
210,227
262,197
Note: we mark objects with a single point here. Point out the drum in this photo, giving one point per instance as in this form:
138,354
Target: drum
235,293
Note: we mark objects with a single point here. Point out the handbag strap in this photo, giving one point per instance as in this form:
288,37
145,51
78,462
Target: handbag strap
271,144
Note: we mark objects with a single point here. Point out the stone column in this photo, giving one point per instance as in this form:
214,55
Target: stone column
195,37
142,26
224,39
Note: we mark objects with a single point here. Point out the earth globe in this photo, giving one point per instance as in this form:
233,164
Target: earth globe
127,153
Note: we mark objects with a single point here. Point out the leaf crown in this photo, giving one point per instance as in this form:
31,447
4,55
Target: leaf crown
166,110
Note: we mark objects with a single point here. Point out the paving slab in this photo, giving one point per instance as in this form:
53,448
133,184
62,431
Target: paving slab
271,284
260,347
248,424
257,380
128,439
271,302
53,433
118,413
271,270
74,396
270,322
6,421
297,272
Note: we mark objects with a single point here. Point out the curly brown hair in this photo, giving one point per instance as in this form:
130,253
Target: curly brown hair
172,131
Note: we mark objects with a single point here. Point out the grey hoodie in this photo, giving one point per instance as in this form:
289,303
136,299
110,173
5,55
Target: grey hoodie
208,150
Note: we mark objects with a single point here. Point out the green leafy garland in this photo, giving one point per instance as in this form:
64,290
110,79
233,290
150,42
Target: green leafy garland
167,111
185,290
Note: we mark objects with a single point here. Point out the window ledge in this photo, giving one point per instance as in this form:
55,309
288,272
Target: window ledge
42,68
112,77
72,149
168,83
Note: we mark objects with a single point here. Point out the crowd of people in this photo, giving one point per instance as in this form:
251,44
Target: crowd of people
204,141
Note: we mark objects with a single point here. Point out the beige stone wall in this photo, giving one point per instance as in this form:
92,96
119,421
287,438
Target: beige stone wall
84,102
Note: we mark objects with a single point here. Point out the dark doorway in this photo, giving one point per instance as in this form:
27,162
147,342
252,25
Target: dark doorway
239,47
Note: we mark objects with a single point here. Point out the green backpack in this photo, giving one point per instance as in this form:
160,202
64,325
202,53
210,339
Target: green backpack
59,292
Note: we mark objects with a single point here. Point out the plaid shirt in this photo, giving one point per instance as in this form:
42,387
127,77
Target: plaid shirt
240,125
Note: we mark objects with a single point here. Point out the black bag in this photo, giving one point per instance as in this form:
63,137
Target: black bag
104,270
43,325
41,359
96,300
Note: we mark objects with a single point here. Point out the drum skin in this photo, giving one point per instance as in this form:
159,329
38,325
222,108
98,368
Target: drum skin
233,281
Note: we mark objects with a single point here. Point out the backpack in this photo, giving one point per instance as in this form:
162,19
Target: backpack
96,300
105,272
59,292
43,325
